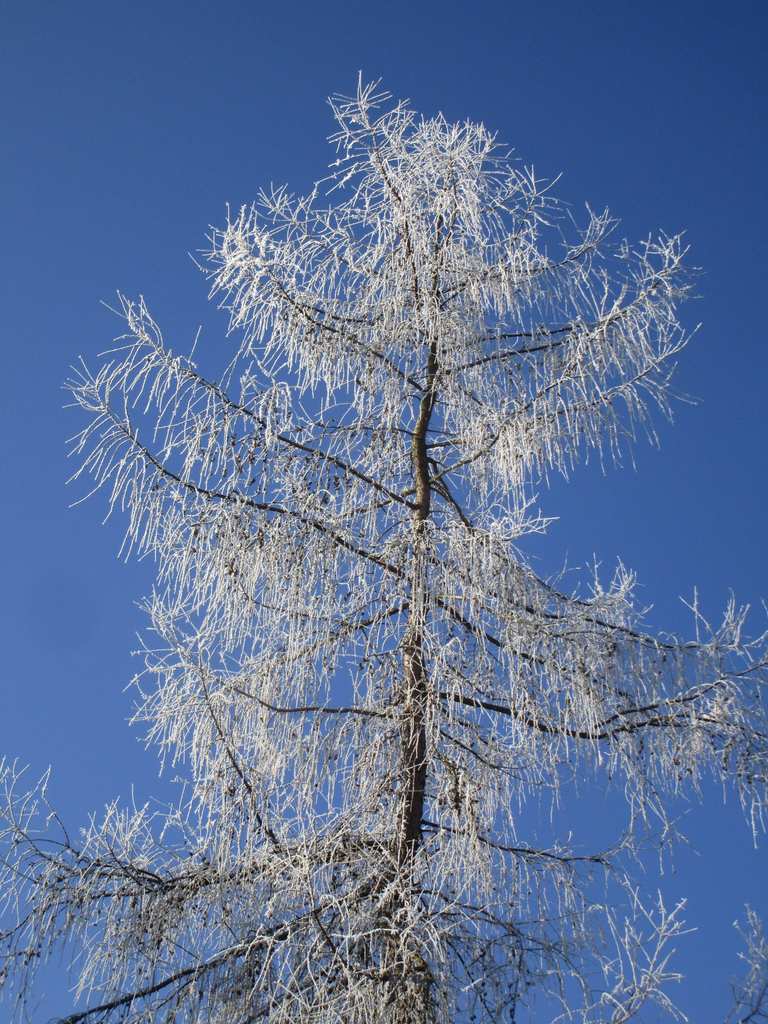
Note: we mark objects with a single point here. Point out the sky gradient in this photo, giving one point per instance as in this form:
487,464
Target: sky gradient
127,128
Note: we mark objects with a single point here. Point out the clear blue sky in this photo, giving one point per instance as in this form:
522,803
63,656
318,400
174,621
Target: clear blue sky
125,130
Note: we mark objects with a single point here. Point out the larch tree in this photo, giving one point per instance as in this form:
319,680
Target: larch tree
367,687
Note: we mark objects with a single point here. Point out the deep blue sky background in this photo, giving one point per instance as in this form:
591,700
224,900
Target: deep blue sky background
125,130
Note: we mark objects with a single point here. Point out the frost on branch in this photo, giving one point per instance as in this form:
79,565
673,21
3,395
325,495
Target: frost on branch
750,993
365,685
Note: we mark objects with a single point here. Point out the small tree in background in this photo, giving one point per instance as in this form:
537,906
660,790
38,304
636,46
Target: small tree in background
367,685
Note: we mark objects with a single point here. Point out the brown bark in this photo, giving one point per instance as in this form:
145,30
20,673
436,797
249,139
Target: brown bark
409,999
415,681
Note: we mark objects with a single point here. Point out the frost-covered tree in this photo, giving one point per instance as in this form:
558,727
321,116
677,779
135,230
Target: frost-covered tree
369,690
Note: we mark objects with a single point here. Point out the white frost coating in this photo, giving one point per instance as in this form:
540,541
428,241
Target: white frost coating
361,678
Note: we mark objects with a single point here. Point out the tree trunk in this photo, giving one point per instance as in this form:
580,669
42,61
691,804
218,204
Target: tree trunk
408,971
